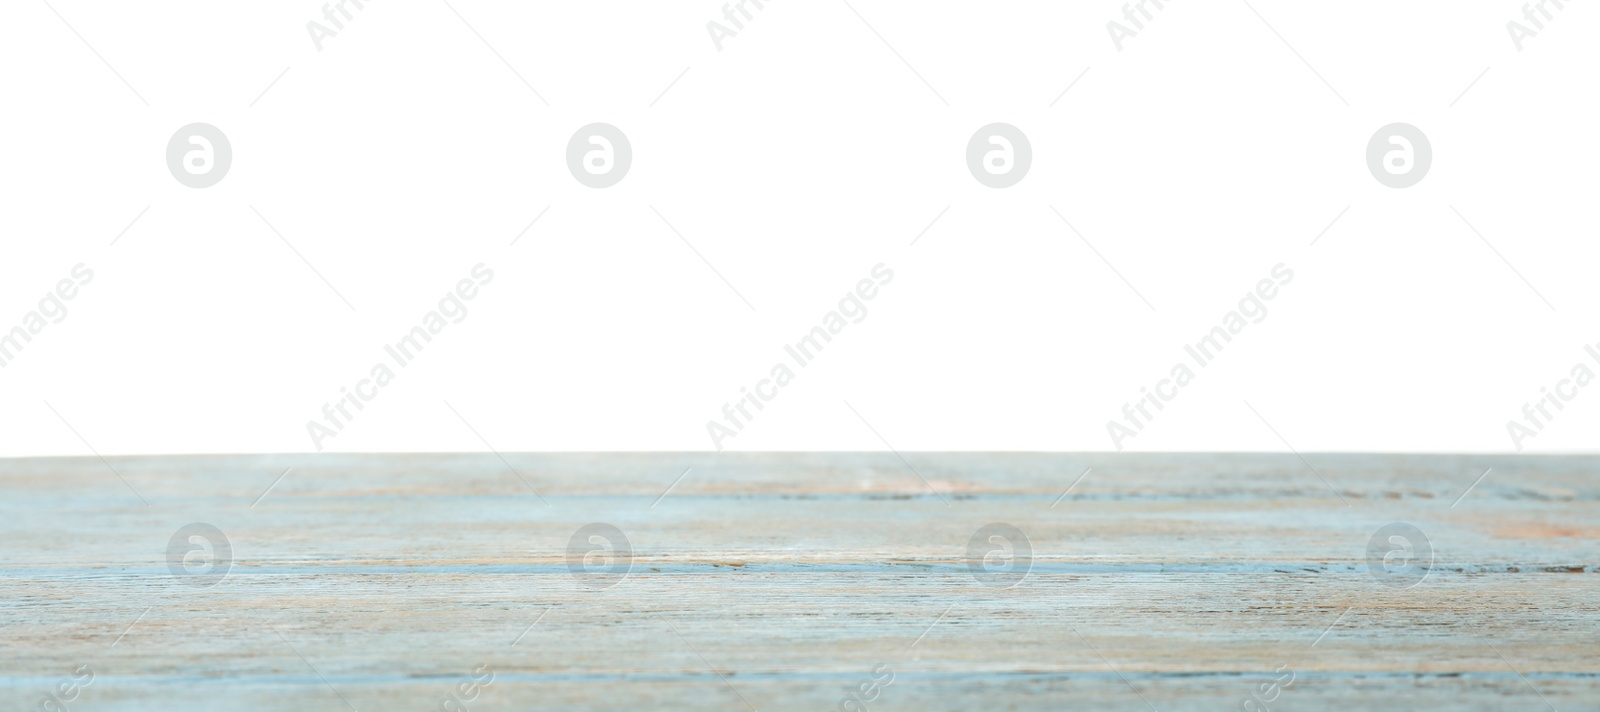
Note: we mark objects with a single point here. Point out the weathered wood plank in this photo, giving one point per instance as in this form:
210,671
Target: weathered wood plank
780,581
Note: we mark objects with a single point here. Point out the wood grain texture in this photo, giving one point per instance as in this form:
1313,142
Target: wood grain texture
781,581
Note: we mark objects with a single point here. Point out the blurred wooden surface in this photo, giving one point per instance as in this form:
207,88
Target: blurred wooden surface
782,581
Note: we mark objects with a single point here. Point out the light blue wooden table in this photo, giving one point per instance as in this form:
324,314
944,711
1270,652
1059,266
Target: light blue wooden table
800,581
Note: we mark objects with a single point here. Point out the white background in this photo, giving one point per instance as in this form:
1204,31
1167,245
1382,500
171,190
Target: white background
794,159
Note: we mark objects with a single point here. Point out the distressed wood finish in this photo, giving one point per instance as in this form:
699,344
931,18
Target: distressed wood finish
780,581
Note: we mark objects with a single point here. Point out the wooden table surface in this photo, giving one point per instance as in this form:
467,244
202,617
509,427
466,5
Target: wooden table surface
788,581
